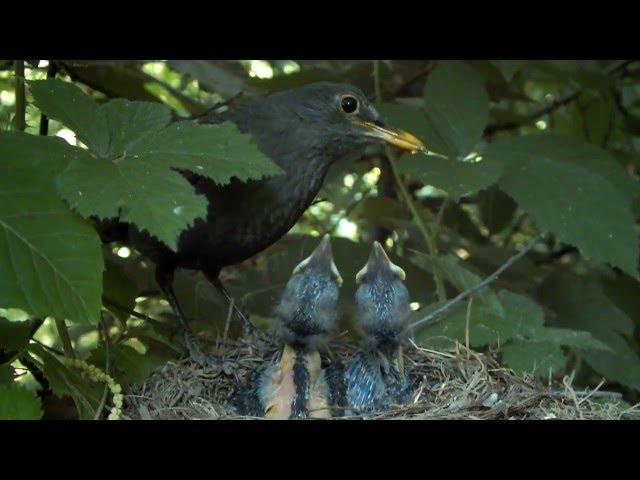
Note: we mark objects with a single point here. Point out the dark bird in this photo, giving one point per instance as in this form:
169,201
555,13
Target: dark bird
303,130
376,378
292,384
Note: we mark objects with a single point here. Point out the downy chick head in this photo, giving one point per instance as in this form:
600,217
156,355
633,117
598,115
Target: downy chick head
308,309
382,300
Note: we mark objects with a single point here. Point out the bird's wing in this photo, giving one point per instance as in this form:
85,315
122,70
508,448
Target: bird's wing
365,385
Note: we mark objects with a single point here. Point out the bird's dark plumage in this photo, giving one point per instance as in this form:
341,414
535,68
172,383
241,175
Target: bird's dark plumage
292,384
376,377
303,130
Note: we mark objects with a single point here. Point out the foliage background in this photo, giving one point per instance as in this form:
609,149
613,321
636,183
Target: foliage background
520,147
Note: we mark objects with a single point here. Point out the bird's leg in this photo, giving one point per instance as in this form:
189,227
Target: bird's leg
249,328
164,277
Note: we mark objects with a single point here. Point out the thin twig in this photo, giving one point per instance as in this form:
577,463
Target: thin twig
19,121
553,106
471,291
467,327
226,326
107,366
422,226
65,338
47,347
592,392
133,313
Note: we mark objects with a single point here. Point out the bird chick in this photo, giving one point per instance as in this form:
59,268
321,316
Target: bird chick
376,378
293,384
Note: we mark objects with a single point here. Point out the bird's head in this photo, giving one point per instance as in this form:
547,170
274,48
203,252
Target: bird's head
338,117
382,299
308,308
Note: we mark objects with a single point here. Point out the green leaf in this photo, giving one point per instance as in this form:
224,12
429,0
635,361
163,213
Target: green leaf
68,104
517,316
48,155
540,358
414,120
51,258
63,380
523,314
6,375
459,220
624,292
142,188
14,336
18,403
621,364
579,302
457,104
217,151
129,366
456,177
568,190
509,67
486,326
460,277
496,209
155,199
570,338
225,78
118,288
128,121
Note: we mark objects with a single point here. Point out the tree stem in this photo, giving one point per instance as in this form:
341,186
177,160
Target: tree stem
44,120
428,236
65,338
19,122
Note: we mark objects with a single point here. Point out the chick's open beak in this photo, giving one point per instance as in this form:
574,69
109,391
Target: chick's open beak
396,138
321,257
379,261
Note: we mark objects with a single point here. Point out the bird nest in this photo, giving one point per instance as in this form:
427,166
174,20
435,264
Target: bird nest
463,384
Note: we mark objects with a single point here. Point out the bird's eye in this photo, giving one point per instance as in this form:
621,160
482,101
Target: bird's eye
349,104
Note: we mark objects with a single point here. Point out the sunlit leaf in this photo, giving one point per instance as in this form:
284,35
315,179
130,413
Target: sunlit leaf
216,151
155,199
52,261
67,103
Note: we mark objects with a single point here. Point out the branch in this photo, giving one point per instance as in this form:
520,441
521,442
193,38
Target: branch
63,332
19,122
130,312
553,106
473,290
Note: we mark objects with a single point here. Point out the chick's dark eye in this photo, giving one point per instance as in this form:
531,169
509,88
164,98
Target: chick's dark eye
349,104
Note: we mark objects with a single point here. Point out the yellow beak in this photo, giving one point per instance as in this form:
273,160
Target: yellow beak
397,138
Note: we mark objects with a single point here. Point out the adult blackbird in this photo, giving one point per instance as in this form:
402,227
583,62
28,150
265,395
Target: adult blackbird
292,384
376,378
303,130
